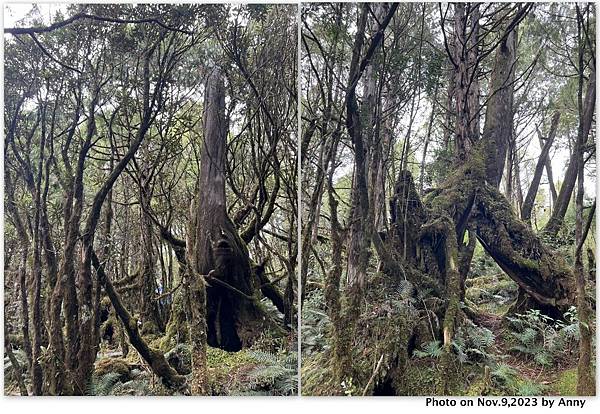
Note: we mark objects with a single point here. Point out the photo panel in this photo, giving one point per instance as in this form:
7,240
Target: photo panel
448,199
150,199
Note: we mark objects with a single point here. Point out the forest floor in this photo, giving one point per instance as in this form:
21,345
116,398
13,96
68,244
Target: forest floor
268,367
498,353
491,293
558,379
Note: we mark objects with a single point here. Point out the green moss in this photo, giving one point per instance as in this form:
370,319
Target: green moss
530,264
219,359
317,375
177,330
110,365
149,328
226,370
421,377
566,384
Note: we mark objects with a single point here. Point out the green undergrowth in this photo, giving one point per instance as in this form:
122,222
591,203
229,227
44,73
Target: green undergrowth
566,384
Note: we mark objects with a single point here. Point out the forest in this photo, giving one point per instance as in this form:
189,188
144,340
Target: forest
448,199
325,199
150,200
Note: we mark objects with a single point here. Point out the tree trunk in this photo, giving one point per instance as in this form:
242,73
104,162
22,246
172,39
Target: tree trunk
149,312
539,169
550,176
225,312
568,184
153,357
586,384
499,113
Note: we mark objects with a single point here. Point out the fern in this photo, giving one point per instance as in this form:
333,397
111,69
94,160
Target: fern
473,344
431,349
529,388
276,374
504,376
542,338
103,385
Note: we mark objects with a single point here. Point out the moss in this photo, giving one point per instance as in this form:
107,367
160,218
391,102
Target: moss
317,375
421,377
386,323
529,264
566,385
105,302
180,358
109,365
177,330
16,340
218,359
492,293
226,370
148,328
481,282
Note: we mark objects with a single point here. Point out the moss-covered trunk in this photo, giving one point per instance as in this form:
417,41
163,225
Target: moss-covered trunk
155,359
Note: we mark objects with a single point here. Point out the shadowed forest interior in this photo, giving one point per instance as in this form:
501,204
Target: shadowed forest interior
448,198
150,199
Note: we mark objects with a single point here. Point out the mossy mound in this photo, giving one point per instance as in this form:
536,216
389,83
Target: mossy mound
421,377
566,384
113,365
384,334
505,380
492,293
227,370
317,375
385,330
